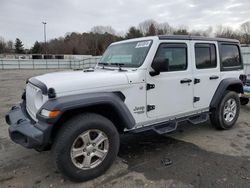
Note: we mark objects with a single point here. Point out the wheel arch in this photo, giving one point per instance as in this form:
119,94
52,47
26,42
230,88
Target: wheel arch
110,105
230,84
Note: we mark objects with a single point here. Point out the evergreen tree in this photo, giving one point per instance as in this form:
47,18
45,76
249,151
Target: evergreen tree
19,46
133,33
151,30
37,48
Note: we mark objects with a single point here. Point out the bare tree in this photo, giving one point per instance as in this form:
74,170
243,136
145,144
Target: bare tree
209,32
10,45
145,25
206,33
164,29
103,29
181,30
160,28
245,29
2,45
224,32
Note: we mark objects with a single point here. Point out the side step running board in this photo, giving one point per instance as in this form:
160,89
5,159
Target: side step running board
170,126
198,119
165,128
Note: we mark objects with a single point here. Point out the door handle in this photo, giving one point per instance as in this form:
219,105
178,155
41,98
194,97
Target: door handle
214,77
186,80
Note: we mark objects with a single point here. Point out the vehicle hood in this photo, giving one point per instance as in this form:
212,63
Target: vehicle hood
80,80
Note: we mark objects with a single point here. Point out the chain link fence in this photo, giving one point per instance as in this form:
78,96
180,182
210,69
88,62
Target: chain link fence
6,64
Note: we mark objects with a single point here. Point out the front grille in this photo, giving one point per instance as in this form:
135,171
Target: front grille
31,92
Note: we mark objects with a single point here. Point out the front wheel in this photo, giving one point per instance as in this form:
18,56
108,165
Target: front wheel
227,112
86,147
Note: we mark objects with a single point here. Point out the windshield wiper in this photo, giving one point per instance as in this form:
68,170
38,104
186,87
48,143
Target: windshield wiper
102,63
114,64
119,65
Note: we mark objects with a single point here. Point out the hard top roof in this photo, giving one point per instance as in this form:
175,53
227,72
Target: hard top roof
190,37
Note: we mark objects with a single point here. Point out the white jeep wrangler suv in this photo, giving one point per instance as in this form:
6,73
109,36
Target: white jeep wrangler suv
150,83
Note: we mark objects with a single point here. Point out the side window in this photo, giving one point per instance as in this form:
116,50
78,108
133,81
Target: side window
176,54
230,55
205,56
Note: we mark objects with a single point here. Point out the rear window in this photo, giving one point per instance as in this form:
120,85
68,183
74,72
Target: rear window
230,55
205,56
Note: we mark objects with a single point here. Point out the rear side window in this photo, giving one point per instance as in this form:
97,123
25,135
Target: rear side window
176,54
205,56
230,55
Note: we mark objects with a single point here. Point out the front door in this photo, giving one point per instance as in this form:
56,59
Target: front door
172,93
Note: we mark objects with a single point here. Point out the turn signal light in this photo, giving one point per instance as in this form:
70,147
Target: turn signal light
54,114
50,114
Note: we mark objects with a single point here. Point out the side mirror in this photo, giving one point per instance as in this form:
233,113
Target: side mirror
159,65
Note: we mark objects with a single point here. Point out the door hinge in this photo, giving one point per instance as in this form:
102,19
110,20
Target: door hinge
196,99
150,86
196,81
150,107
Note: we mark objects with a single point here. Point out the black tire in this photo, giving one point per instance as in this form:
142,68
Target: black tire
66,137
244,101
217,115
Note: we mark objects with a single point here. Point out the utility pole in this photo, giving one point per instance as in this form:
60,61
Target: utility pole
44,31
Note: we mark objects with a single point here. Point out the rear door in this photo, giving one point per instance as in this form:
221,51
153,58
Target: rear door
206,71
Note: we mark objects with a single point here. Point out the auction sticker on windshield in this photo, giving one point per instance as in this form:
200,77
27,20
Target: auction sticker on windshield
143,44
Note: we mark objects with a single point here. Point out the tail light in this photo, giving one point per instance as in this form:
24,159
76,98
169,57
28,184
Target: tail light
243,78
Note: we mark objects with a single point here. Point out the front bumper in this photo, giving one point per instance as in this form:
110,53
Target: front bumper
24,131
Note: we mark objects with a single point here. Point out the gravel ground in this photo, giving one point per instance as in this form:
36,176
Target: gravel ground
193,156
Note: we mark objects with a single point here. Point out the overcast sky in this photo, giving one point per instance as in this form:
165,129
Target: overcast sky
22,18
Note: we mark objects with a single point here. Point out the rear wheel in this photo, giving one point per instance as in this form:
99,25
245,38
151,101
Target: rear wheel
227,113
86,147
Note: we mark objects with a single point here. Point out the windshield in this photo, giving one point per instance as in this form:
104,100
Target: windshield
131,54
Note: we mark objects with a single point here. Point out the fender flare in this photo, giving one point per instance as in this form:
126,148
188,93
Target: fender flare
80,101
223,86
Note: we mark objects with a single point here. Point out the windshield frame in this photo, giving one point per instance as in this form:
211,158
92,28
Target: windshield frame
127,65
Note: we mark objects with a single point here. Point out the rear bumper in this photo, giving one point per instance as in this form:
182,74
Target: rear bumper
24,131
